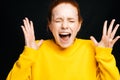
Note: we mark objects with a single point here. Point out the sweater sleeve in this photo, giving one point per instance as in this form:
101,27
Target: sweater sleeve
107,69
22,67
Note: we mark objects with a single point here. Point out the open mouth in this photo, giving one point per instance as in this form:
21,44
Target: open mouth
65,36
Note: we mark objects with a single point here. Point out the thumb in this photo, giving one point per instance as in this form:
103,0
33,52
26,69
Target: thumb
40,42
94,40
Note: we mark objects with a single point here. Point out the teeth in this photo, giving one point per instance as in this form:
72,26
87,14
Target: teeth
64,33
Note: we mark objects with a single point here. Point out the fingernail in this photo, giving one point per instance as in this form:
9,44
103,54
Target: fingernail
113,19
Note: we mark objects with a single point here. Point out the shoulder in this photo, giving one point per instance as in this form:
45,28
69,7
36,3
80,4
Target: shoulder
85,42
86,45
47,42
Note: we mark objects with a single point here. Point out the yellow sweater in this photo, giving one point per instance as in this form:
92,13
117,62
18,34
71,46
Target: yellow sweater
80,61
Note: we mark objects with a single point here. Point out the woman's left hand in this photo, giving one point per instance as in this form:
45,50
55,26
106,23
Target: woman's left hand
108,37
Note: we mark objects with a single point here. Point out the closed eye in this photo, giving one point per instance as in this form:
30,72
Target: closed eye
72,21
57,21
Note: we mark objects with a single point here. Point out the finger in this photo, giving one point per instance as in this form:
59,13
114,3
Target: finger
94,40
23,29
115,40
25,34
110,28
114,31
27,23
32,28
105,28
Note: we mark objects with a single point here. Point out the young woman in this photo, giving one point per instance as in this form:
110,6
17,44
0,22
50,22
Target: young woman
66,57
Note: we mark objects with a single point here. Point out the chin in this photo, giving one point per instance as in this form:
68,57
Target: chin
65,45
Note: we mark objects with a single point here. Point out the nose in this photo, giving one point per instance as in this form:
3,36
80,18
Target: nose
64,25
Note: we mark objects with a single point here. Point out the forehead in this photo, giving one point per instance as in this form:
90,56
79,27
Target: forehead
65,10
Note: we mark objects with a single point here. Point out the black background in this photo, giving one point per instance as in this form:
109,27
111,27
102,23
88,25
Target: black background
12,12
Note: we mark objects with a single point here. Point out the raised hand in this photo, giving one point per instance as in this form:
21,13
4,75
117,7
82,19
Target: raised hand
108,37
28,31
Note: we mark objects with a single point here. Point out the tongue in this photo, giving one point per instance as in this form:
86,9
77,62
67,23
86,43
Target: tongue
65,38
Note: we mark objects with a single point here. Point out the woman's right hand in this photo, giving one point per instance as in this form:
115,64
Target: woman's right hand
29,35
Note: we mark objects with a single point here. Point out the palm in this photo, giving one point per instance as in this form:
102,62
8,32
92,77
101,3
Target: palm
29,34
108,38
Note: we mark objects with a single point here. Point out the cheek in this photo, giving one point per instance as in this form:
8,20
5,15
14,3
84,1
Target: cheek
75,28
78,27
53,29
50,27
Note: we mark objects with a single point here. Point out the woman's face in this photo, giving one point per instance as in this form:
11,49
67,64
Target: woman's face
64,24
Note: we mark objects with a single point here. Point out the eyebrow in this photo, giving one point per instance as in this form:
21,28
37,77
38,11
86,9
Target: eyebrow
67,18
